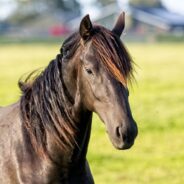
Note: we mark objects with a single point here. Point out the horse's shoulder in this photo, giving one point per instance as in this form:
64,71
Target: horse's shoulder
9,108
9,115
10,134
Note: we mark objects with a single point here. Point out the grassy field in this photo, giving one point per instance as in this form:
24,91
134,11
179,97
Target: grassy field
157,101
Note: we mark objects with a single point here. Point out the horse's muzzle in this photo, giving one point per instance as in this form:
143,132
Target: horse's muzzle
124,137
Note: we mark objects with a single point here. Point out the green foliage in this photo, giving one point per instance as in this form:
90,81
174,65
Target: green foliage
157,103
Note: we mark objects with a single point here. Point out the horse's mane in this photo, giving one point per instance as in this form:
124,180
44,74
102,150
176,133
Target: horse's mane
46,102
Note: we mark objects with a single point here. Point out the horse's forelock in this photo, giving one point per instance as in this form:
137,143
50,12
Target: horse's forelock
111,51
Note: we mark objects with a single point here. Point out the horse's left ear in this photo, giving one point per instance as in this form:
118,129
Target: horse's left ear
86,28
120,24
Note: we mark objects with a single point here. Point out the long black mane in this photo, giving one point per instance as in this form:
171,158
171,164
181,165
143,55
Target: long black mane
45,106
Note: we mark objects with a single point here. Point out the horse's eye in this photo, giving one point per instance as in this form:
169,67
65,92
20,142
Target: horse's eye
89,71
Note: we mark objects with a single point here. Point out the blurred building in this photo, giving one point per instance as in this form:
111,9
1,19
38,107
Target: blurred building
43,18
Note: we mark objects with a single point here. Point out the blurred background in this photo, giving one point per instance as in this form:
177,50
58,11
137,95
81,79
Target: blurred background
43,19
31,34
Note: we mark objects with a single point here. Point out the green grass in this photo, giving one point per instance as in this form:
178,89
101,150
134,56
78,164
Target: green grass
157,102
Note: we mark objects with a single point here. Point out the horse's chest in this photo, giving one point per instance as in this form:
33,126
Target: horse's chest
42,173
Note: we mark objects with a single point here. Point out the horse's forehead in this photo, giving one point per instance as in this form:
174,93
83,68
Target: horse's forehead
88,48
88,52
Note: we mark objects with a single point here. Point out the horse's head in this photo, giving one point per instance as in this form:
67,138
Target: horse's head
101,69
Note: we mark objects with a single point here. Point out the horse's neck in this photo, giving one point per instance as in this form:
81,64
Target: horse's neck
77,155
80,151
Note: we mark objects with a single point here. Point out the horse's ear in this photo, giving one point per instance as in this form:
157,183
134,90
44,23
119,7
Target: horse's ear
120,24
85,27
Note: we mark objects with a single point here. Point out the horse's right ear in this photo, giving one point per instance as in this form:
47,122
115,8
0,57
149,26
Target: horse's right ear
86,28
120,24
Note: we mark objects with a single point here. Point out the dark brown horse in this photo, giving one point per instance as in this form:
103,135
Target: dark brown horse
44,137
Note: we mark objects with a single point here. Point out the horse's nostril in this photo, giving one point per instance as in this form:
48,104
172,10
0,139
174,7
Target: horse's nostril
122,134
118,132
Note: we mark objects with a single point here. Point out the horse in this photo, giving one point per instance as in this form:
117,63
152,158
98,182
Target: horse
44,136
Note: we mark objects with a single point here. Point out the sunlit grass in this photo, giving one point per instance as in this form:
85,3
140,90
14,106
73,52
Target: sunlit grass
157,102
17,61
